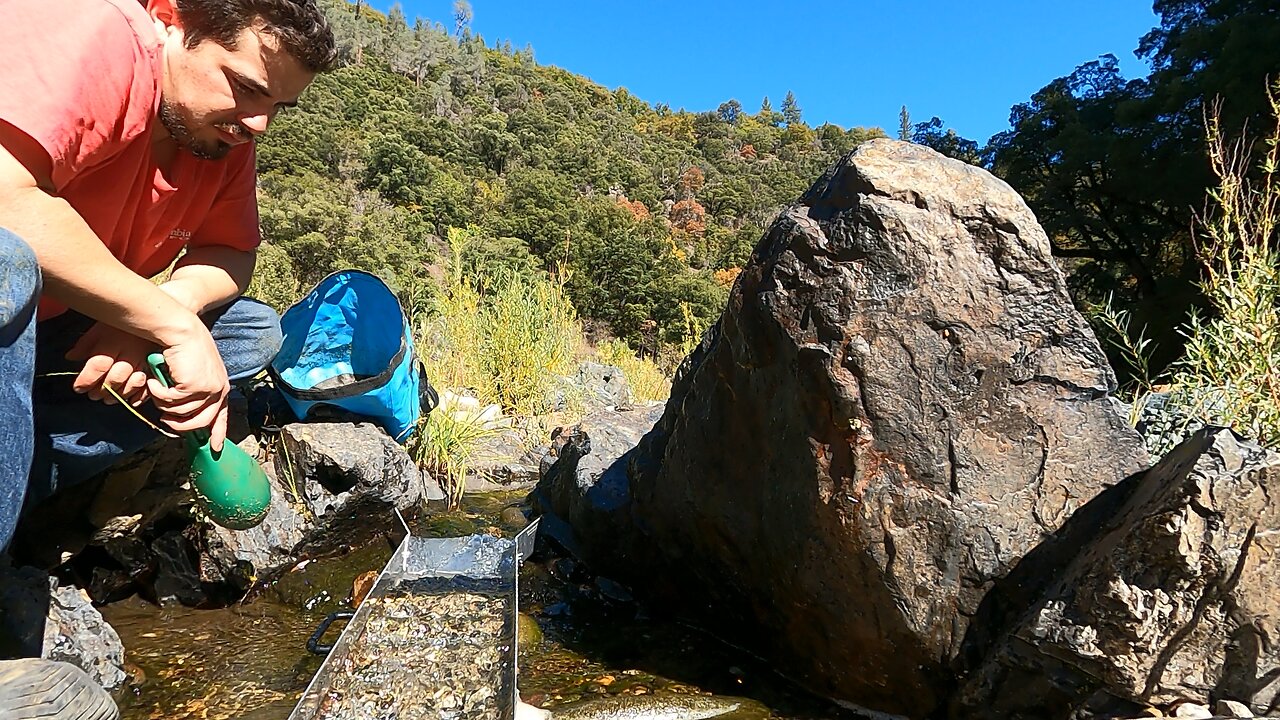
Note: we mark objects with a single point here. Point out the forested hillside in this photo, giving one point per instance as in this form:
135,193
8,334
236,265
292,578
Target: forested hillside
647,213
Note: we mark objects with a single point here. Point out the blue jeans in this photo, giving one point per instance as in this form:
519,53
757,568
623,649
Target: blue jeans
76,438
19,295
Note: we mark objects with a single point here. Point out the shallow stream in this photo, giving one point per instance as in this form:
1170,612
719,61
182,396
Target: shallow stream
250,661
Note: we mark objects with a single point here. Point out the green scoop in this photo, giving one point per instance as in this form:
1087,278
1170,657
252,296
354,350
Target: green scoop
230,485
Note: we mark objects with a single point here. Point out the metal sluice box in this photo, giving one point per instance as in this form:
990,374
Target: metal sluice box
435,639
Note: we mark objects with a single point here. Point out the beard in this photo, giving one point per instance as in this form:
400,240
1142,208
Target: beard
180,131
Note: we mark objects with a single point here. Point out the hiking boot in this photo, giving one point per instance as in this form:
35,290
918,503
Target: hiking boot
36,689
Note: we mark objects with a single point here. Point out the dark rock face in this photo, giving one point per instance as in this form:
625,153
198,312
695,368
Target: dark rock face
1174,598
585,484
899,402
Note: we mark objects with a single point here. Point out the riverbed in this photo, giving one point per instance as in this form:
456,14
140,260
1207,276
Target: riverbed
250,660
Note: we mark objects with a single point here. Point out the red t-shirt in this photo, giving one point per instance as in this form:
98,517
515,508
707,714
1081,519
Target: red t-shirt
83,80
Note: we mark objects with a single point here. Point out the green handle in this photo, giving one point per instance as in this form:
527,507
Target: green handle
231,485
160,369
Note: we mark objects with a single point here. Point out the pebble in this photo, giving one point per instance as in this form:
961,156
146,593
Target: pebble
1192,710
1233,709
514,518
528,632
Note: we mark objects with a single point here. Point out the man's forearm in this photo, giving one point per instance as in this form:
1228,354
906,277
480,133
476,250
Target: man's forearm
209,277
81,273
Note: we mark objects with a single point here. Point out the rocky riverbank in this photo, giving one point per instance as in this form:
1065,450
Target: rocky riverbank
895,470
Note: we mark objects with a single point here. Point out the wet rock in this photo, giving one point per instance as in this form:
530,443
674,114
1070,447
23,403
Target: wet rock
1174,597
176,580
267,547
107,585
681,706
899,403
563,569
513,517
334,486
587,483
134,566
528,632
58,622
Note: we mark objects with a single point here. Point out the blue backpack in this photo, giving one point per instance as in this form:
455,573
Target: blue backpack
347,345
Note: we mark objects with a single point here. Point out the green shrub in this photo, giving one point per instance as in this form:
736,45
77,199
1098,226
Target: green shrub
273,280
503,337
1230,369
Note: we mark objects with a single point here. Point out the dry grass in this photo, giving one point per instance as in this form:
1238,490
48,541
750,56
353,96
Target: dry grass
648,382
503,340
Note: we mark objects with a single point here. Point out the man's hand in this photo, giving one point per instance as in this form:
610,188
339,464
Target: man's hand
198,396
112,359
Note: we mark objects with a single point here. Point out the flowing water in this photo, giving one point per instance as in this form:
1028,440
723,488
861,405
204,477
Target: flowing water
583,638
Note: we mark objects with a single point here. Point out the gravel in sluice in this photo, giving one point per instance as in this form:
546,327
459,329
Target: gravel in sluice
429,653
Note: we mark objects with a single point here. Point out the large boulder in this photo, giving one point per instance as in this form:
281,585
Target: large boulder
898,403
1174,598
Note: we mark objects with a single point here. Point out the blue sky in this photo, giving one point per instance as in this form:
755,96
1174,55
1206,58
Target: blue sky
849,62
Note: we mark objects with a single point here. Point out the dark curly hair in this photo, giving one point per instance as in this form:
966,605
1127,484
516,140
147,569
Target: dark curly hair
299,25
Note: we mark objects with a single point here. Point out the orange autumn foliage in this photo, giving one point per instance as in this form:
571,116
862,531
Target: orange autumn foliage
689,216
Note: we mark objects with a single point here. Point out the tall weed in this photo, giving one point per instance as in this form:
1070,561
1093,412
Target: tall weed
1230,371
444,447
502,339
648,382
530,335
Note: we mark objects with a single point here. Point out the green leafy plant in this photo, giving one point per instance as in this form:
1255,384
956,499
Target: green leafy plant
1230,369
443,445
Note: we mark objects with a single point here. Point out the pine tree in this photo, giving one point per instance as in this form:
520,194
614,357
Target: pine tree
791,110
904,124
